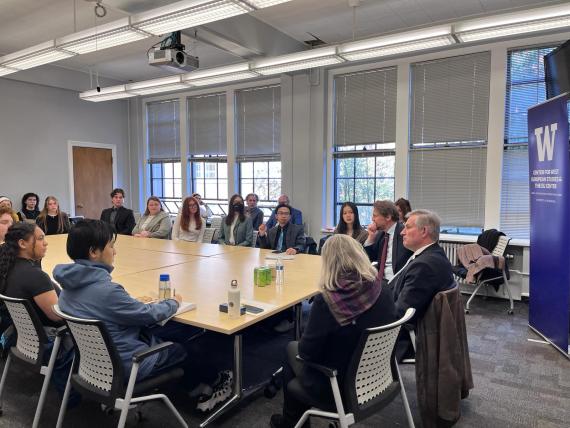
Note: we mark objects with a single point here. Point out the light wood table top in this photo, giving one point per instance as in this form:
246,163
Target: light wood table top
127,260
202,274
177,247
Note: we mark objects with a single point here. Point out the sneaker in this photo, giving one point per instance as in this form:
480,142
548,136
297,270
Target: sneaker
222,390
284,326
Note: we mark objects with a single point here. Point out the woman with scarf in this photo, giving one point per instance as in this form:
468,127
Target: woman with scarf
351,300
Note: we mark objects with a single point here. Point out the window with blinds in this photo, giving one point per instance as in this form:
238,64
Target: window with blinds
163,136
525,88
448,137
364,139
258,135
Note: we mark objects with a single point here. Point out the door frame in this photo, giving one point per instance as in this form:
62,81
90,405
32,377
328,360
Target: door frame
70,145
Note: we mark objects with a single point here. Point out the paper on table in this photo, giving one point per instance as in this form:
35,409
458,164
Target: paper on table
184,307
282,256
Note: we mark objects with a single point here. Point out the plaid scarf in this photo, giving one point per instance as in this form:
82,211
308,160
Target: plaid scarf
353,297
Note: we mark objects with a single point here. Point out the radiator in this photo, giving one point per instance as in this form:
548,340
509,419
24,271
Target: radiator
450,249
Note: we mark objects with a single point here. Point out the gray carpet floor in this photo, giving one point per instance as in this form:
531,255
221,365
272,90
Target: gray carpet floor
518,383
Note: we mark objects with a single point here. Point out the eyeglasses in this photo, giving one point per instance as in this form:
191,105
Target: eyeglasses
283,213
192,206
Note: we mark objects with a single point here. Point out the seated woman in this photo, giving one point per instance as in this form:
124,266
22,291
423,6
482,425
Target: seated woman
89,292
349,223
351,300
5,202
205,211
29,209
403,206
189,225
51,220
6,220
154,223
236,227
251,211
21,276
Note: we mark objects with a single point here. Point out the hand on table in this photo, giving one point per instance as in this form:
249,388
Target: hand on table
291,251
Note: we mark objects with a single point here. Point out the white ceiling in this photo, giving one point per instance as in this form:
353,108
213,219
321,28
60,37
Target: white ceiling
24,23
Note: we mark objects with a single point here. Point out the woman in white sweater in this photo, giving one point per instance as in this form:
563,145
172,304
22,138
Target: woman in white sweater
189,226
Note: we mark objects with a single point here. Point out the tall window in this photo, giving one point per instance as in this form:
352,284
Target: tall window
258,135
364,139
448,139
525,88
207,148
163,138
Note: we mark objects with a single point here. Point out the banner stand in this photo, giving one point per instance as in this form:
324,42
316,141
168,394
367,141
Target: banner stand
549,186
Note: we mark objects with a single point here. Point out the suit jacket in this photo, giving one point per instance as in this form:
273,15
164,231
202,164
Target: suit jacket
296,218
243,233
294,238
159,226
124,220
443,368
400,254
423,277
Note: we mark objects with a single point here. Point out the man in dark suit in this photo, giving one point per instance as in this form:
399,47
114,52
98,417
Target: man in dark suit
428,270
384,244
285,236
121,218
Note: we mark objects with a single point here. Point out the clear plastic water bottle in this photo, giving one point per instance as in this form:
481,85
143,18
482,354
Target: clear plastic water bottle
164,291
279,272
234,304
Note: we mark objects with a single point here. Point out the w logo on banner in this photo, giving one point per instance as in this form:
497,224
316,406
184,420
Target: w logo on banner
545,145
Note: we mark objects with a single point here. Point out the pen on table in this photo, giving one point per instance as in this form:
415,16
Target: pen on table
174,291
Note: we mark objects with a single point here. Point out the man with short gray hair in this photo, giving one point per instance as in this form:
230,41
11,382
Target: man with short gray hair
428,271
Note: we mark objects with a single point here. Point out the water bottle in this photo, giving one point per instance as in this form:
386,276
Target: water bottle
234,304
164,286
279,272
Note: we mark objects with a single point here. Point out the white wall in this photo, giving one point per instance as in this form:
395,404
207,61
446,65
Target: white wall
36,123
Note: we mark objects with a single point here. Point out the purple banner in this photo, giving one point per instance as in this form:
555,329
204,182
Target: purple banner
549,174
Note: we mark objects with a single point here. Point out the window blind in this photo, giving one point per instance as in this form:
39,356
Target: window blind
365,107
450,100
207,125
525,88
451,182
258,124
163,131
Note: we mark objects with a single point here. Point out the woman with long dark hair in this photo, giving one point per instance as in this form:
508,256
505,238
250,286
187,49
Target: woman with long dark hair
29,211
403,206
51,220
349,223
154,223
236,227
189,225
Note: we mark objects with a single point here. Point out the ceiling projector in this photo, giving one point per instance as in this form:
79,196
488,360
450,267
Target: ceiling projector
173,59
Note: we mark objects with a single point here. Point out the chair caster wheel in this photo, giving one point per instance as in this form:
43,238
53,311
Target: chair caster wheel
1,412
108,410
467,311
510,312
270,391
139,416
274,385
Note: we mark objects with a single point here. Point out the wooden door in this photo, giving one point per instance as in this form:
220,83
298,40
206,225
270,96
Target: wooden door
92,180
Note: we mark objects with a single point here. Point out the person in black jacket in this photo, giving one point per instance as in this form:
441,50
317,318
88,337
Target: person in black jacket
351,300
385,225
285,236
428,271
121,218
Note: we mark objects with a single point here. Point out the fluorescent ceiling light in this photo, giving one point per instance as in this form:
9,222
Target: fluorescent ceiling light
216,75
156,86
104,36
397,44
297,61
544,19
6,70
43,53
111,93
188,13
259,4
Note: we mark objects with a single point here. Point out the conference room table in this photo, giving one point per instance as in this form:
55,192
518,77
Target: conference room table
202,274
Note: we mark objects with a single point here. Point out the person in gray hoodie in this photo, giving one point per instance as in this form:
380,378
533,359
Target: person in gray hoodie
89,292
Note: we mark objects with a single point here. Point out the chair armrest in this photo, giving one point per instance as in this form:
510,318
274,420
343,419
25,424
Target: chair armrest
60,331
327,371
139,356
